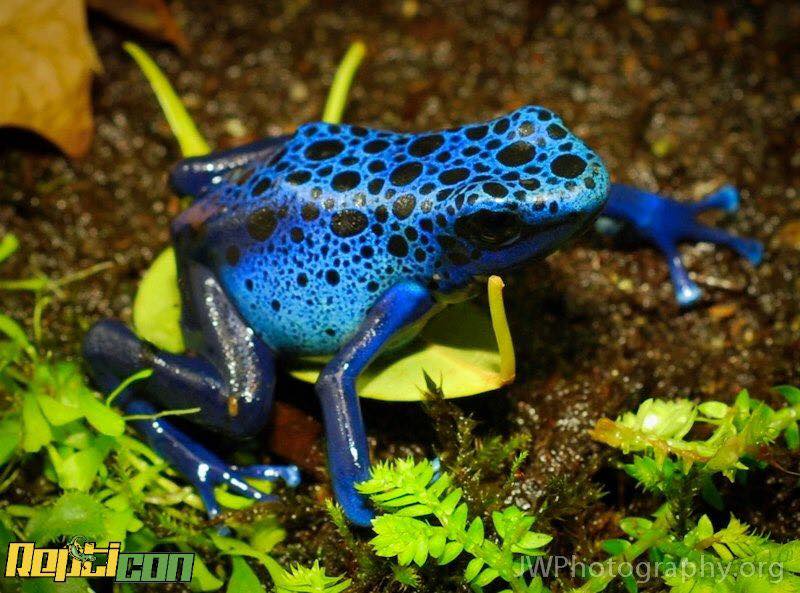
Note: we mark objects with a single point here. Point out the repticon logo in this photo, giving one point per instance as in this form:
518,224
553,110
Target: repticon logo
82,558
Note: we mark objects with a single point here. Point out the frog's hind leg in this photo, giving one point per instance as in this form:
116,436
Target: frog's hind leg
229,376
666,223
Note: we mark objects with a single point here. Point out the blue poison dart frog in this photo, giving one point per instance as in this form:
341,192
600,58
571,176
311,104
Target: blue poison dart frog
342,240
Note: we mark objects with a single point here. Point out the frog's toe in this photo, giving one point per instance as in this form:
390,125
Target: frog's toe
750,249
290,474
209,476
725,198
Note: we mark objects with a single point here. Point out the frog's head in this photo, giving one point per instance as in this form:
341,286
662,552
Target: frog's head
541,186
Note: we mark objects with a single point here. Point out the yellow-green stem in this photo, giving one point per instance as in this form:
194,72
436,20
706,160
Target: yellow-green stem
189,138
502,333
337,96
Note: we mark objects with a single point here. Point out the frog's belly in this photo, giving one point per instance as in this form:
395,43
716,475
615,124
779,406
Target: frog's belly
313,317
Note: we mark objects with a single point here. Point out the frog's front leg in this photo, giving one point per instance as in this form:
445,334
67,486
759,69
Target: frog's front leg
229,376
666,223
348,455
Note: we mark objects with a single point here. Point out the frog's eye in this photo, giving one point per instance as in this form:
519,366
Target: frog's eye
489,229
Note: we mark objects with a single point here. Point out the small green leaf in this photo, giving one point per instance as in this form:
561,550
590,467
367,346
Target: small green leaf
78,470
635,526
157,305
104,419
615,547
10,437
243,579
713,409
789,392
8,245
532,541
663,419
792,436
73,513
267,533
57,412
232,501
14,331
486,577
202,578
35,429
450,553
475,533
337,96
629,581
473,568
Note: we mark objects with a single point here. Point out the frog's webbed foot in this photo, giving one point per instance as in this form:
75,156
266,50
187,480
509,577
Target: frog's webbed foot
665,223
348,454
201,467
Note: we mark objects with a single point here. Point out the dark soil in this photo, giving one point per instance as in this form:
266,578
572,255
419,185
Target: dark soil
679,97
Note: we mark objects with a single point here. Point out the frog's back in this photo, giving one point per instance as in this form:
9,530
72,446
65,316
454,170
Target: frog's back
306,239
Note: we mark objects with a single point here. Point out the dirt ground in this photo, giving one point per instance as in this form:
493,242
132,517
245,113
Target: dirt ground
681,97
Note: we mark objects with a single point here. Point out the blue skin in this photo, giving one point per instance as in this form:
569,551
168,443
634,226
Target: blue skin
342,241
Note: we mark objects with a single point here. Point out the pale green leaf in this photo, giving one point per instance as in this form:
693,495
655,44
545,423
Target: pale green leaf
533,541
713,409
486,577
78,470
243,579
475,533
790,392
35,429
202,578
104,419
450,553
157,305
267,533
792,436
8,245
14,331
473,568
456,348
10,437
57,412
73,513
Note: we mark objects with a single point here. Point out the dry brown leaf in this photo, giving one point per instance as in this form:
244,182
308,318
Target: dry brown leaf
152,17
46,65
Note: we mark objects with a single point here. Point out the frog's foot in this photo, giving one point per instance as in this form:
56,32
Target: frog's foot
665,223
201,467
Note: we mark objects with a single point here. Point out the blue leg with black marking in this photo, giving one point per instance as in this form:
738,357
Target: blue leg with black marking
665,223
348,455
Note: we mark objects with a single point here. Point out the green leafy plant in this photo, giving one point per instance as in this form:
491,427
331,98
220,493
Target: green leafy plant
426,518
665,457
300,579
667,461
732,559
